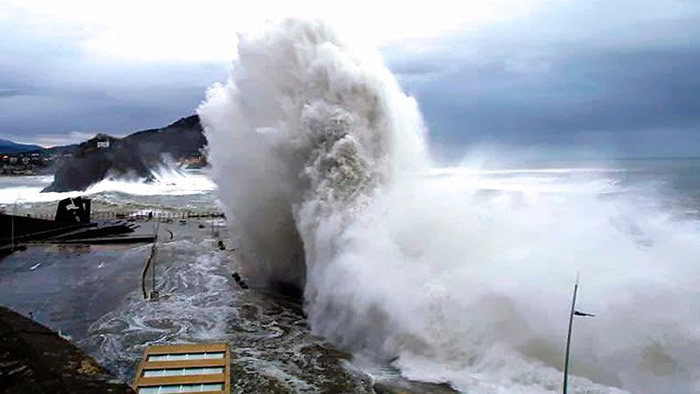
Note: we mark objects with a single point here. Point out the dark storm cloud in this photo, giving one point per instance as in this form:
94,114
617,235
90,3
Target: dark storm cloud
619,75
587,91
55,108
417,68
9,92
49,90
627,82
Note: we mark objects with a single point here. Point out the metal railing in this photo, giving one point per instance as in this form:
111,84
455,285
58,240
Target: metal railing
140,215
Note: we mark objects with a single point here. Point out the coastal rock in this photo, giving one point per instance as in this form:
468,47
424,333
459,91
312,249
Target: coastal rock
136,155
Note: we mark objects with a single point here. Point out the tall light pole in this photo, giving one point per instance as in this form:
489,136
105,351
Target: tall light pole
573,313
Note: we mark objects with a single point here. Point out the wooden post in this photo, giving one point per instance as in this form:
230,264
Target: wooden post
154,292
12,224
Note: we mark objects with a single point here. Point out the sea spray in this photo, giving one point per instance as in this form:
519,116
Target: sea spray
304,129
164,181
319,158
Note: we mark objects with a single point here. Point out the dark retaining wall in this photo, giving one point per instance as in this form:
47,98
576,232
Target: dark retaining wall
34,360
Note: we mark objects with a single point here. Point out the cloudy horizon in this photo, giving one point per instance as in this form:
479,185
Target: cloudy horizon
609,79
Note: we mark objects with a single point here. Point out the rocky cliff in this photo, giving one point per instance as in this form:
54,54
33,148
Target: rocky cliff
136,155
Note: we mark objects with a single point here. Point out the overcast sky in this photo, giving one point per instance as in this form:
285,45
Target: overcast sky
581,78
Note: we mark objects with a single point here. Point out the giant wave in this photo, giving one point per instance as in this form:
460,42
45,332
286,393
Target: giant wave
321,165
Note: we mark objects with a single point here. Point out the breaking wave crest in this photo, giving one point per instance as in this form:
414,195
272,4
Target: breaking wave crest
302,133
320,163
165,181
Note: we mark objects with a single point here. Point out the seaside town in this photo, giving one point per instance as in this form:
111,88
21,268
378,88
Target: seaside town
29,163
44,161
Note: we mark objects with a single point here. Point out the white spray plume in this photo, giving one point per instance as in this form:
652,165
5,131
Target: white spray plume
302,125
320,162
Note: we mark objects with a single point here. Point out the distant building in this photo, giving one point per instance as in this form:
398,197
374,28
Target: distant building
103,144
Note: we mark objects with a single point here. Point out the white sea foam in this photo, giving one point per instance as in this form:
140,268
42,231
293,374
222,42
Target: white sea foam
165,181
319,158
511,171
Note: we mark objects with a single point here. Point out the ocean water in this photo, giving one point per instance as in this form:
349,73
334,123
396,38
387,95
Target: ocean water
172,189
675,180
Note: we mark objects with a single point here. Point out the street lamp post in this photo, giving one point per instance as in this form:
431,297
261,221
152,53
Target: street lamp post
572,313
